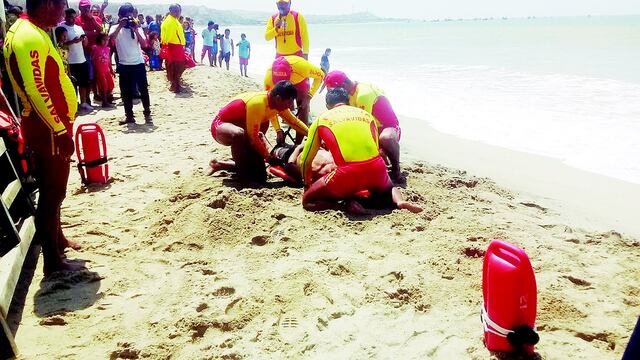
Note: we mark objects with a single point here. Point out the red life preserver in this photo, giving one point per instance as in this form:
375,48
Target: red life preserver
91,149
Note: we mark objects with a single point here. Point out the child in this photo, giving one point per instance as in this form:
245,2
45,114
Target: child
324,64
188,37
104,73
227,50
244,53
61,38
154,59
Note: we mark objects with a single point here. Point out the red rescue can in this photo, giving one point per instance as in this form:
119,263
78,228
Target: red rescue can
91,149
510,299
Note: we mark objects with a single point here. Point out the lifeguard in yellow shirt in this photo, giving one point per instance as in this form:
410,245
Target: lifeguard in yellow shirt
351,135
289,28
242,123
298,71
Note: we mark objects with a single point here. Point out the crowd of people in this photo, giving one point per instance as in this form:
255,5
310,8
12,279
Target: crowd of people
343,163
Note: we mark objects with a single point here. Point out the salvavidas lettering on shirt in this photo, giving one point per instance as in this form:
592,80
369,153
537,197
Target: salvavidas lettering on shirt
40,85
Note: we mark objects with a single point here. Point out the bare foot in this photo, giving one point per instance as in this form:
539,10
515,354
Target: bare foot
214,166
405,205
354,207
66,243
64,266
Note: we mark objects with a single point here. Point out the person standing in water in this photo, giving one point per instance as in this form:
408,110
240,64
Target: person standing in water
324,65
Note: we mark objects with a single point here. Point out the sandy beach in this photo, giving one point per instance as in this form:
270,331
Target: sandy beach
185,266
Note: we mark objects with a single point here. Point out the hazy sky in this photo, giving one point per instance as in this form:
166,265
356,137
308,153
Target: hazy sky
430,9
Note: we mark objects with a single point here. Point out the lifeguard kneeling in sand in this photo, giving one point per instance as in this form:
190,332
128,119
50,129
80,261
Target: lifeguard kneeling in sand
351,136
242,123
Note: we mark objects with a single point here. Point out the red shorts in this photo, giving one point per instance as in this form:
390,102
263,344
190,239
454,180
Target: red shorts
244,61
175,53
350,179
214,127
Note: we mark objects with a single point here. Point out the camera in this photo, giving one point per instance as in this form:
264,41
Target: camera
130,22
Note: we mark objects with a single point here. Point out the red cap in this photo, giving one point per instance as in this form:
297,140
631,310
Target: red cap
281,70
335,79
84,3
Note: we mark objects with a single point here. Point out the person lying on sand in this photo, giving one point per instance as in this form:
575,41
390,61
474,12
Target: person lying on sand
351,136
241,124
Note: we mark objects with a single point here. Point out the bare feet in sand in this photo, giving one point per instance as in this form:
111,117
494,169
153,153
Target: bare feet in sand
214,166
405,205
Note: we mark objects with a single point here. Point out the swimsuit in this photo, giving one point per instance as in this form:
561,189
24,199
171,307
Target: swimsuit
351,135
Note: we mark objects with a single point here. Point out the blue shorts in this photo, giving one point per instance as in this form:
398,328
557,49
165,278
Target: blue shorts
226,56
215,48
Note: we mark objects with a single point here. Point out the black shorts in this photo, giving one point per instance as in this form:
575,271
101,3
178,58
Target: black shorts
81,73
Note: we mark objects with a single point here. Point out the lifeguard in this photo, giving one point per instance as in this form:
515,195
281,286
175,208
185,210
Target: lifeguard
351,135
373,100
289,28
298,71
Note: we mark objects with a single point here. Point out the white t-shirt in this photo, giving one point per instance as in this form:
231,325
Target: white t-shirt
76,51
129,50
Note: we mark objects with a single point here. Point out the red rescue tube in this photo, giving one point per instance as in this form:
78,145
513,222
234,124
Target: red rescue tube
91,149
510,299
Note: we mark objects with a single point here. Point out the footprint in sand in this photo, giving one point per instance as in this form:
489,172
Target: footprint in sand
289,328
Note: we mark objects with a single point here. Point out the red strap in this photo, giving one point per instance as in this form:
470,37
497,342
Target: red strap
298,33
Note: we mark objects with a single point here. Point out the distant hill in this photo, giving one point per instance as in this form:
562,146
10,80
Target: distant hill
203,14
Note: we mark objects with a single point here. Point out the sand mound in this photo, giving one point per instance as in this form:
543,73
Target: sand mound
196,267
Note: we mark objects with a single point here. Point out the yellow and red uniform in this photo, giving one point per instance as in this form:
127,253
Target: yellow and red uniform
373,100
301,70
38,75
172,37
292,38
253,113
50,104
351,135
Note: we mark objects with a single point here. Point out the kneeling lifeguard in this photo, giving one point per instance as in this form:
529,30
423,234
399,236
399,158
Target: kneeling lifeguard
373,100
351,135
241,124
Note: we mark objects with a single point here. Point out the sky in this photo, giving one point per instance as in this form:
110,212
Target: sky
434,9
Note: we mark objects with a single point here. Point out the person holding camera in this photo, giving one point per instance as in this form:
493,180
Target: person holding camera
130,39
78,64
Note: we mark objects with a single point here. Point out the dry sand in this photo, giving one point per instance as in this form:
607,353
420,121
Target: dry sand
184,266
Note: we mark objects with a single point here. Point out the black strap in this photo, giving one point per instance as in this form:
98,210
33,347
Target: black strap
523,335
94,163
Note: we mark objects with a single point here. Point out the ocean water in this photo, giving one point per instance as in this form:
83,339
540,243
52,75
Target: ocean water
567,88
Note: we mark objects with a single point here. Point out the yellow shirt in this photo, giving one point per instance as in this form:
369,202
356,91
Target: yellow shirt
301,70
171,31
38,75
290,40
349,133
251,110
